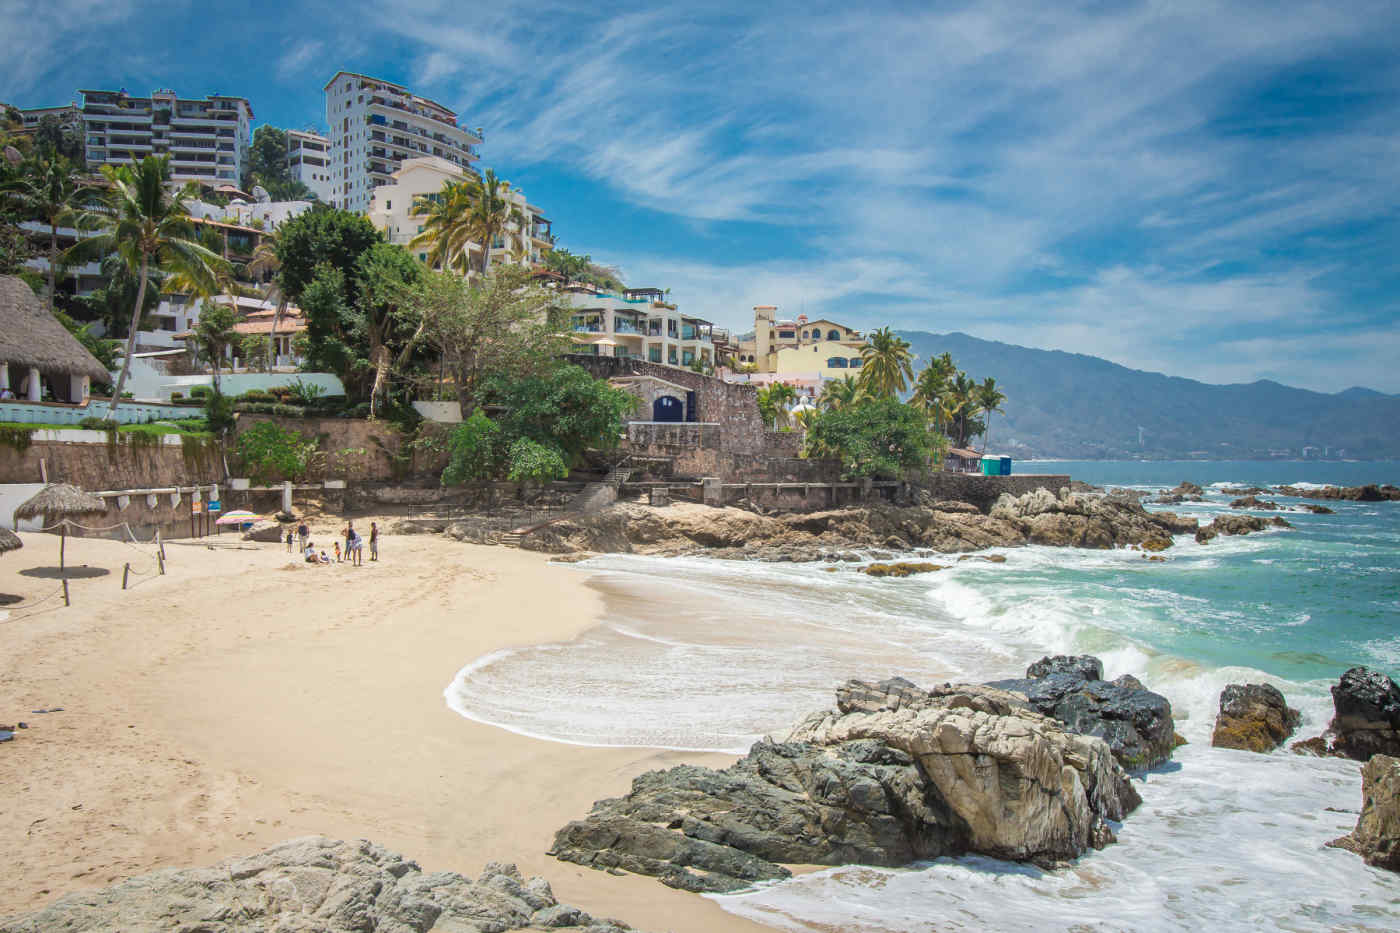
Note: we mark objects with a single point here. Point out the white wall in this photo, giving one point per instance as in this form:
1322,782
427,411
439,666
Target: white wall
238,383
12,496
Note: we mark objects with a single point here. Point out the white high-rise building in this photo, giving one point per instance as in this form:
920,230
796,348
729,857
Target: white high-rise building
207,140
375,125
309,161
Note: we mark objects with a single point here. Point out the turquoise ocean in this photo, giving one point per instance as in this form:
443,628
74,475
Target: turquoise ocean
711,655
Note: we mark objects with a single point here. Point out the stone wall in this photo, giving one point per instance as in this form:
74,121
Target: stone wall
88,461
733,407
983,491
360,451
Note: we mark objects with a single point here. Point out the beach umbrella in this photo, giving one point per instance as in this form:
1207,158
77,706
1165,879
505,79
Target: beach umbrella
55,504
9,541
238,517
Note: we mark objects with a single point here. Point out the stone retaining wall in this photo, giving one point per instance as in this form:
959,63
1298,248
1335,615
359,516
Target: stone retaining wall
88,461
983,491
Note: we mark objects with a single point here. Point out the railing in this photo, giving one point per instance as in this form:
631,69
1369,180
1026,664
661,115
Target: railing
128,411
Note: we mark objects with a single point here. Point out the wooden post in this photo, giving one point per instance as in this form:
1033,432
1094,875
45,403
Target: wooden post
160,561
65,592
126,572
160,545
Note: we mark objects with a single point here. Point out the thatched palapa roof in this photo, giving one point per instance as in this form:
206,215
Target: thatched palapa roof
59,500
9,541
31,336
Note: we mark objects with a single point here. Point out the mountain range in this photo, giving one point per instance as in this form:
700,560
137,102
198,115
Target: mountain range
1074,406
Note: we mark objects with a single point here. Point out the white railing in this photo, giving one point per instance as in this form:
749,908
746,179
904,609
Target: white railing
128,411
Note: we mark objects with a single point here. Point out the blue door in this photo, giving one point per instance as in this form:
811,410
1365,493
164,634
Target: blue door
668,408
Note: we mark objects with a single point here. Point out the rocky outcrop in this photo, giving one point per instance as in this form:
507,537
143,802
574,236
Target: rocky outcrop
1254,718
1318,509
1238,525
315,885
1183,492
687,528
1368,493
1366,720
1254,502
1136,723
895,774
901,568
1377,834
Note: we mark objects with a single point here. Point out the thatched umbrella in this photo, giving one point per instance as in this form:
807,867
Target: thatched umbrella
9,541
56,503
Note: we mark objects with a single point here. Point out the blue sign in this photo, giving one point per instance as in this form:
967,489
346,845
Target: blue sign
214,506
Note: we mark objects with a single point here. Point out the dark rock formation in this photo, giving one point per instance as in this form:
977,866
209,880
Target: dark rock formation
1377,834
1242,490
1071,520
1238,525
1318,509
1367,720
901,568
315,885
1369,493
1254,718
1185,491
1254,502
1135,722
895,774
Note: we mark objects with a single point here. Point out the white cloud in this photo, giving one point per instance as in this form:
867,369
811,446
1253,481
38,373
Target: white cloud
300,57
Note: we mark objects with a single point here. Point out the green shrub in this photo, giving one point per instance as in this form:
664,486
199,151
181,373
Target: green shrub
200,391
218,411
531,461
94,423
258,395
270,452
474,451
176,396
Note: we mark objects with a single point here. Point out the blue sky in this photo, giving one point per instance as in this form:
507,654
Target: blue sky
1205,189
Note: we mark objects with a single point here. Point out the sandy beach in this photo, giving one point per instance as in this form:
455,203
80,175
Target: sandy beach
247,698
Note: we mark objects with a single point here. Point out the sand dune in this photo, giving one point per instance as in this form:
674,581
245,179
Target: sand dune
247,698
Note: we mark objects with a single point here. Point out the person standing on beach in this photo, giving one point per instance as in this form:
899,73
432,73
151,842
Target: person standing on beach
373,541
349,536
289,540
303,534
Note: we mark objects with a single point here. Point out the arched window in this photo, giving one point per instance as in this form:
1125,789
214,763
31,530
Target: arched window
833,335
856,362
836,362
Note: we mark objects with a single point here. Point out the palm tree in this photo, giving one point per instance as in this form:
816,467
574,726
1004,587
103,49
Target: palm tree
932,385
265,261
887,365
491,214
447,225
963,403
773,402
49,190
988,398
840,394
140,220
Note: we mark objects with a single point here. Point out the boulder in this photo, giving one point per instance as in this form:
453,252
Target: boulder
1136,723
1254,718
901,569
1187,488
1316,509
1254,502
894,775
1076,520
1368,493
1367,720
1376,837
315,885
1233,525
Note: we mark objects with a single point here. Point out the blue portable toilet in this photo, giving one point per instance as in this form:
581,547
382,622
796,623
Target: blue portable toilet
1005,466
991,466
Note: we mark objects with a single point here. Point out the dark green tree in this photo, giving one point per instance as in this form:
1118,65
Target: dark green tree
267,158
879,437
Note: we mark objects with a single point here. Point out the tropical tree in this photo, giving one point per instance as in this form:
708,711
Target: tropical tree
387,319
566,265
491,214
962,402
265,262
989,399
774,401
448,225
932,385
887,364
214,335
48,189
878,437
839,394
140,220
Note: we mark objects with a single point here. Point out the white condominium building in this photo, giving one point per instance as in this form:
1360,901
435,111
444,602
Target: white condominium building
207,140
309,161
639,324
375,125
417,180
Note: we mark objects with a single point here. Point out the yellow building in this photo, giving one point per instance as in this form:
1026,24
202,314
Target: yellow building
800,346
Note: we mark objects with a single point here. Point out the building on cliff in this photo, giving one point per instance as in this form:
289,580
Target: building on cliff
821,348
638,323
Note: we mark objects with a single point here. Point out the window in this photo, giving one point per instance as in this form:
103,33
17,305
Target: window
836,362
786,335
857,362
833,335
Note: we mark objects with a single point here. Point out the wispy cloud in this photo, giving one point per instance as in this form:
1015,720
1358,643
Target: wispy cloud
300,57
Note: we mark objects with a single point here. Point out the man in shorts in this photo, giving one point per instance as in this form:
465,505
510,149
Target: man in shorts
373,541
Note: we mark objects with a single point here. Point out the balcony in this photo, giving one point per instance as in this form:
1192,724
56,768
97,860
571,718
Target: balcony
622,325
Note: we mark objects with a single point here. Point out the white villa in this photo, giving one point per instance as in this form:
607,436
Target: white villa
638,323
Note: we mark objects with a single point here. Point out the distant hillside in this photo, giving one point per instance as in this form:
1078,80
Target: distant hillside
1082,407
